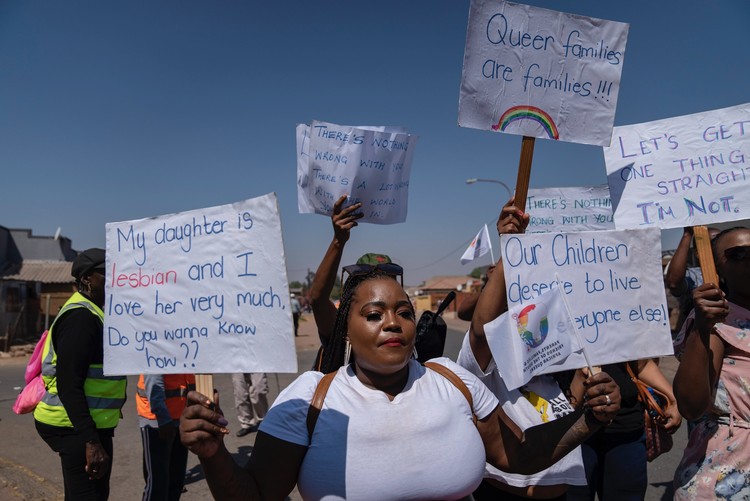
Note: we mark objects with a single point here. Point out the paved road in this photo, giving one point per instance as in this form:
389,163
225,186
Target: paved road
29,470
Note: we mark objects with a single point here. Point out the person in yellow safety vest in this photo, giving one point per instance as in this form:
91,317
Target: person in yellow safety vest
160,400
81,406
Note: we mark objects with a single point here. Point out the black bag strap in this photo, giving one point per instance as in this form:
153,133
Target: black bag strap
316,404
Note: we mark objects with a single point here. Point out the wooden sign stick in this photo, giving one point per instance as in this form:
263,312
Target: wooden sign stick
524,172
705,254
204,383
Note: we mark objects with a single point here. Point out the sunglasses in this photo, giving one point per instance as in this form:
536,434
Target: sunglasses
738,253
391,269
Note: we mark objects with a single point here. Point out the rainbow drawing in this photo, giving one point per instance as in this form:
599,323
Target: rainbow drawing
531,339
528,112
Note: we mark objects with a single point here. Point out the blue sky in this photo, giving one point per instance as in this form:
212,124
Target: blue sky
112,111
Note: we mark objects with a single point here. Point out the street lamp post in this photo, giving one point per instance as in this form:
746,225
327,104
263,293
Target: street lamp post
478,180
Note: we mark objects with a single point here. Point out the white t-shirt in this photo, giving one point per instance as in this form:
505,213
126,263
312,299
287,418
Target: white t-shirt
537,402
421,445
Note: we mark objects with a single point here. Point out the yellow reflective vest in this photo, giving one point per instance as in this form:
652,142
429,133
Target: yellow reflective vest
105,394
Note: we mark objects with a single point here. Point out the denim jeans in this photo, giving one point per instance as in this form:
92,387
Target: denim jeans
615,468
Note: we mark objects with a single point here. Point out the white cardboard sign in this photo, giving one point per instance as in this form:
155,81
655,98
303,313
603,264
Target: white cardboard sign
201,291
684,171
303,162
541,73
371,166
580,208
613,284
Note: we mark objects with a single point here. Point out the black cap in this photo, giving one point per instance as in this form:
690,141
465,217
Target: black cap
88,260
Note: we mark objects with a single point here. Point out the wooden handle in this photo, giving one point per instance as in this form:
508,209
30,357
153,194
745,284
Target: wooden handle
204,383
705,254
524,172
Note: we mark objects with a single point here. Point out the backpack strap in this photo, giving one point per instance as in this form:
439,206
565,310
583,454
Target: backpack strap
316,404
456,381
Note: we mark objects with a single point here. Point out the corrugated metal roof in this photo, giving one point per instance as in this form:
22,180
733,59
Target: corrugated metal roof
46,272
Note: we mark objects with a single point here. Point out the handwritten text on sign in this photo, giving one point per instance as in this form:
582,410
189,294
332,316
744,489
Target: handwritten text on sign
541,73
584,208
613,283
201,291
370,166
685,171
303,161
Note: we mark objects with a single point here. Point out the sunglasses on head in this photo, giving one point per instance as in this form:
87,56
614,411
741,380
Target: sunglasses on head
391,269
738,253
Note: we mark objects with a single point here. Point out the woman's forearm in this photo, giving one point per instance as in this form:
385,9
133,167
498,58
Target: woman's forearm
226,480
545,444
693,383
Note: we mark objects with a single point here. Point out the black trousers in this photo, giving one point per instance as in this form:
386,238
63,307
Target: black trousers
164,465
71,448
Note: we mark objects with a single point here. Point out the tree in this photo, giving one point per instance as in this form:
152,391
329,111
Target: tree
477,272
295,285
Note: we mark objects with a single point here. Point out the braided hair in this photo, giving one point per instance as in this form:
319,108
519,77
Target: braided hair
333,354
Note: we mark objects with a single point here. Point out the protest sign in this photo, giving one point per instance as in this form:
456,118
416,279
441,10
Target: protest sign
613,284
541,73
303,162
684,171
201,291
531,339
371,166
303,167
580,208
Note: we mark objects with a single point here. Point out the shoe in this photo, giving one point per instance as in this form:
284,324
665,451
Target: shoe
247,430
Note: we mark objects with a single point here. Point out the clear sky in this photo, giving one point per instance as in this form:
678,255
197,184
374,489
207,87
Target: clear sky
111,111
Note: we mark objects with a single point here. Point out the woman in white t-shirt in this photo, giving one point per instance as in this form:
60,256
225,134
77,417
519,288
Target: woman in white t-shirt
389,428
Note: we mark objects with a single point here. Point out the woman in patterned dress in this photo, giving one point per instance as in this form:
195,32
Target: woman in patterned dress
714,379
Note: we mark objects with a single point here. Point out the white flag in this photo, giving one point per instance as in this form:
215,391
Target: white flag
531,338
480,246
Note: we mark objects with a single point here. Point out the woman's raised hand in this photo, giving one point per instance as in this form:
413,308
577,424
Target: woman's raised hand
512,219
711,307
202,425
344,219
